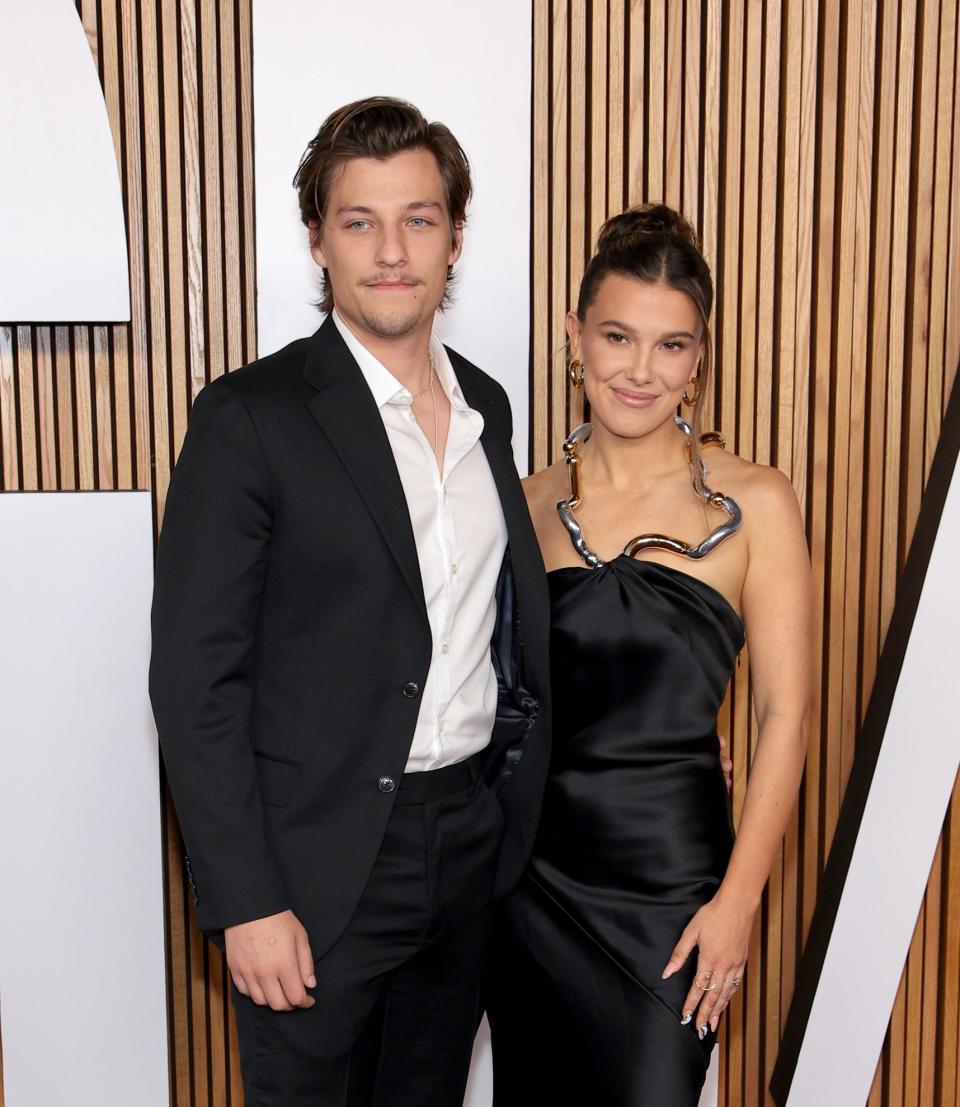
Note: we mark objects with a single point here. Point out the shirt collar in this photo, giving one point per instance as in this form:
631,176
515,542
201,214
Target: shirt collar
383,384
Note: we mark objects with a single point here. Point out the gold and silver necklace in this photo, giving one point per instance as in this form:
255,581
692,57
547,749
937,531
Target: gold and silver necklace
698,474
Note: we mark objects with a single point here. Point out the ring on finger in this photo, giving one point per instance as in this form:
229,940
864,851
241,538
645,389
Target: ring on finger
736,982
709,974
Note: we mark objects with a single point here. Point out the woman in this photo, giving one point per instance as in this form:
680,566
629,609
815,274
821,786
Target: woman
628,937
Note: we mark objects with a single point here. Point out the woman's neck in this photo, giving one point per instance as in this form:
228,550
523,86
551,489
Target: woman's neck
622,463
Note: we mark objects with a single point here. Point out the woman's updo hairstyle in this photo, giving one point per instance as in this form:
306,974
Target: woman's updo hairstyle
656,245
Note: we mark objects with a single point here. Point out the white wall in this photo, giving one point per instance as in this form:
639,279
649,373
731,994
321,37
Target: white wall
64,252
466,65
82,980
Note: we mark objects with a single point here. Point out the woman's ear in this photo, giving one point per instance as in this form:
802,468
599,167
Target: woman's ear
574,330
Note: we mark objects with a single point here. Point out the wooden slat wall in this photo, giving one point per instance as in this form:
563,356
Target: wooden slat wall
105,407
817,147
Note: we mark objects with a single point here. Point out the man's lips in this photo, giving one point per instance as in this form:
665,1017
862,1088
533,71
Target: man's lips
391,286
634,399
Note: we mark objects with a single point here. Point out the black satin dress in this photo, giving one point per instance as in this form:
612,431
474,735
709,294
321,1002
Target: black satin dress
635,836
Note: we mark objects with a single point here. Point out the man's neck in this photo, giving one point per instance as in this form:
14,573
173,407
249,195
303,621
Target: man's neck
406,356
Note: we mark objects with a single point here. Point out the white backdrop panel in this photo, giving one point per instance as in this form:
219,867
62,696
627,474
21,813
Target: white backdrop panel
64,254
466,65
895,845
82,979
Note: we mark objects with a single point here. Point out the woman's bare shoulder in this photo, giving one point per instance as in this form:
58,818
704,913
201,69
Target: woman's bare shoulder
762,491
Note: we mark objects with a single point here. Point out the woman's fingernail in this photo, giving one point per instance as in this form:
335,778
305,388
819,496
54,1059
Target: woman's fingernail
667,973
686,1019
714,1023
311,982
702,1032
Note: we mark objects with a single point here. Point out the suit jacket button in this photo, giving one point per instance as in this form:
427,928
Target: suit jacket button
386,784
411,690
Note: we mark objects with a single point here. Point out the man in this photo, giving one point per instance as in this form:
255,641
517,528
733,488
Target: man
345,536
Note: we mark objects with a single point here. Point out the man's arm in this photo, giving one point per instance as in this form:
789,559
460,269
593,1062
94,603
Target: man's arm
211,562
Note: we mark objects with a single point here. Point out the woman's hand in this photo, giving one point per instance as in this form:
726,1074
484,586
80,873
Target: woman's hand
721,932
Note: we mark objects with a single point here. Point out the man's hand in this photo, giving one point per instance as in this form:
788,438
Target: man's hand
727,765
270,961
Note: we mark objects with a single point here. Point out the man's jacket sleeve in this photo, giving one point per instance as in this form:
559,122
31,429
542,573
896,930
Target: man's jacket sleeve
210,575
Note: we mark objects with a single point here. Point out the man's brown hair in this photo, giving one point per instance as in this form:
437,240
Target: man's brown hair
377,127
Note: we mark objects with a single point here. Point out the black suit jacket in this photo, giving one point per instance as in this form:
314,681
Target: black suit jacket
290,629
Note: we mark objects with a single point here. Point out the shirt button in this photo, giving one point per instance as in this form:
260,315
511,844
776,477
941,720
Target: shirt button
446,648
411,690
453,567
440,727
386,784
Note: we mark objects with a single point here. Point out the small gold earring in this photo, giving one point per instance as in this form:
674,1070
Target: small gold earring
575,373
692,401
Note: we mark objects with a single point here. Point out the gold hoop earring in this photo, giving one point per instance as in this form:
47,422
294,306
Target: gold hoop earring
692,401
575,373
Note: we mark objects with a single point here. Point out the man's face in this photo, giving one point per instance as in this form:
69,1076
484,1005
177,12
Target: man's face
386,242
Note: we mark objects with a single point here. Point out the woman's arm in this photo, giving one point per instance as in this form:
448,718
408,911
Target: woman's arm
777,610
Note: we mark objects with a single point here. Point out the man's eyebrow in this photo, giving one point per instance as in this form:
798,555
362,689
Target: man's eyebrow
414,205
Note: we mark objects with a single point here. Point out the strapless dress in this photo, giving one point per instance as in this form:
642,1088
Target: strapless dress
635,837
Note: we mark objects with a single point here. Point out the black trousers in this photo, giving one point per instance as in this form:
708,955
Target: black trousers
400,994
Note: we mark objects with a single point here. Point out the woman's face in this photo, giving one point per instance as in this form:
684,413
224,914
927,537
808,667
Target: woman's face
640,345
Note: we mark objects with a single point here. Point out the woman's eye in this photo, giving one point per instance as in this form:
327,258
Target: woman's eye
616,337
671,345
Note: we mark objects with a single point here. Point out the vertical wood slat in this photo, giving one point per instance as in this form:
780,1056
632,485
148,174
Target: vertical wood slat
543,366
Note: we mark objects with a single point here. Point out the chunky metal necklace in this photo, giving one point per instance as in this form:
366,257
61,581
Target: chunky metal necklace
566,508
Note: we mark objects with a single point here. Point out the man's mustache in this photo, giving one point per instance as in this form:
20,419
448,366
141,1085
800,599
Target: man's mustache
392,278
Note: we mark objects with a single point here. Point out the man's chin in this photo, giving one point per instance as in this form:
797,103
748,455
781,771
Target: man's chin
392,324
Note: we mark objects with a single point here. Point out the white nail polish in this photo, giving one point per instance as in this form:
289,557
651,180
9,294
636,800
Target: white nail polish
702,1032
686,1019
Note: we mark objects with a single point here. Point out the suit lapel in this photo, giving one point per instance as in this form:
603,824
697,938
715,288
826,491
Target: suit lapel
499,453
526,561
348,416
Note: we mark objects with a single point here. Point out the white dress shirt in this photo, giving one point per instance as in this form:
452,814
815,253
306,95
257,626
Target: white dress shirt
461,538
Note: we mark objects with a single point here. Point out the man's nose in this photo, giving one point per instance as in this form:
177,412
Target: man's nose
391,249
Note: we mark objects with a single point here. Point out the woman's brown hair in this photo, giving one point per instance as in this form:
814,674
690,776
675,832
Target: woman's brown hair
377,127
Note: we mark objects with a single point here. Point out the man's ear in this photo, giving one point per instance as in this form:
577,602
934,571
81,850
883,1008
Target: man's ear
316,244
456,248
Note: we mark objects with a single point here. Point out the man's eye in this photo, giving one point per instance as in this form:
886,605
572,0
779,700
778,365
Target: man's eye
419,221
358,224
